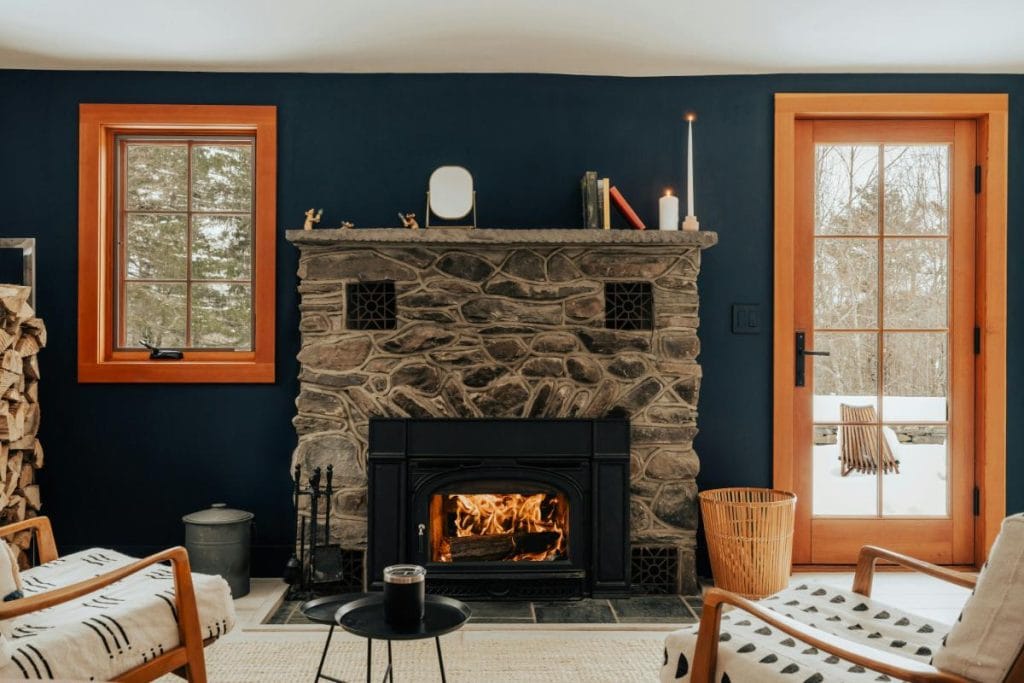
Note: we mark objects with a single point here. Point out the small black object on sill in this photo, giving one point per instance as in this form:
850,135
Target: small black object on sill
156,353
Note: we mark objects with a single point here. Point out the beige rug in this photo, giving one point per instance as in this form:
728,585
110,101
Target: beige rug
506,658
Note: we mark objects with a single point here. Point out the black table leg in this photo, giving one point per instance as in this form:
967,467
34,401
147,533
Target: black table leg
440,660
389,675
369,659
323,657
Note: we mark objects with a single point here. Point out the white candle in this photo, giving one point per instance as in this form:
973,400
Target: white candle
668,212
690,209
691,222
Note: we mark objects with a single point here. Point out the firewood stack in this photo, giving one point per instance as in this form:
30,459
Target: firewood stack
21,336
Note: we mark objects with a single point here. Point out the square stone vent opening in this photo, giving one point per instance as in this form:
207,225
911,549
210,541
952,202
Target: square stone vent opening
655,569
370,306
628,306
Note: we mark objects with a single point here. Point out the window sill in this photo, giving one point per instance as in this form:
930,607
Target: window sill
185,371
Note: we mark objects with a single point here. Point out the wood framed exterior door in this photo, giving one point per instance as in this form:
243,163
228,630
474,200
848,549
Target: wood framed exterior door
884,283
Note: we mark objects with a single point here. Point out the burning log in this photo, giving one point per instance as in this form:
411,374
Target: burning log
22,335
501,546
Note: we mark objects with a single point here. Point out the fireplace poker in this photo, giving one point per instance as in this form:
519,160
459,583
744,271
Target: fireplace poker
314,500
293,568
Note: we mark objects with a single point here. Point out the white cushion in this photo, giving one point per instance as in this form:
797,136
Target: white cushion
990,632
751,651
10,577
107,633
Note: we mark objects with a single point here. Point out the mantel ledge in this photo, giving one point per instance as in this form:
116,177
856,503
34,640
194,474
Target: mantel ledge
701,239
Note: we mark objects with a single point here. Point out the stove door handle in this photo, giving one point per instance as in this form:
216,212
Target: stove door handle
421,528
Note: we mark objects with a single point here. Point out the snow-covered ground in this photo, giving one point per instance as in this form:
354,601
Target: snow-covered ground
894,408
920,487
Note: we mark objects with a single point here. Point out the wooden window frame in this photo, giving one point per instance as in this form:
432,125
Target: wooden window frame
990,111
99,360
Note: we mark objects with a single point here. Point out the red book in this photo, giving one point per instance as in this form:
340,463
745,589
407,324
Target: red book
625,209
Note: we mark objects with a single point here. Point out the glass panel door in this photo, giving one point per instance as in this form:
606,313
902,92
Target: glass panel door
881,301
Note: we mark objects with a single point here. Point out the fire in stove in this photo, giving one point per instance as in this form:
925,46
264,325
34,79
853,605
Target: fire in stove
499,527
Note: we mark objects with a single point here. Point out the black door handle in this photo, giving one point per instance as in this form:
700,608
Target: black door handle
801,354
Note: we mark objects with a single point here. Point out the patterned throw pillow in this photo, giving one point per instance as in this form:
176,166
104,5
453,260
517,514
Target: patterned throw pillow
10,577
10,589
989,634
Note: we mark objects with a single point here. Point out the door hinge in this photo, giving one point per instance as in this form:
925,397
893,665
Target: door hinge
977,340
977,501
977,179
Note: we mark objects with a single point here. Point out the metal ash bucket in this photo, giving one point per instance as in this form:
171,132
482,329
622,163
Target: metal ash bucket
217,541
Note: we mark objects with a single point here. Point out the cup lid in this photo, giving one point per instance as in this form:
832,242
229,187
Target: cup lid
404,573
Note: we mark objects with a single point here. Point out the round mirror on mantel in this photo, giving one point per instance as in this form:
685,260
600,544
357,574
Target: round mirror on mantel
451,192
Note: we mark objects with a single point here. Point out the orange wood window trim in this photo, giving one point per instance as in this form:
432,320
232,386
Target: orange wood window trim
99,124
990,111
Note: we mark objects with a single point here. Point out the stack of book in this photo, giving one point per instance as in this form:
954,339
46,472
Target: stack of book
598,196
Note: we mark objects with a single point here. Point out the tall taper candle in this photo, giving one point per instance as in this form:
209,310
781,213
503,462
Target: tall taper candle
690,118
668,212
691,215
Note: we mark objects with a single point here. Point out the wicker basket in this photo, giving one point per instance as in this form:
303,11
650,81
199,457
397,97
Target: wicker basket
750,538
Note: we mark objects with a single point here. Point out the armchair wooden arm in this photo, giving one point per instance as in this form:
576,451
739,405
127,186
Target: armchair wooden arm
706,653
45,544
869,554
188,655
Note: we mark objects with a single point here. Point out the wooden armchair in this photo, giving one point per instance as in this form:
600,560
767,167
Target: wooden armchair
816,632
186,658
706,654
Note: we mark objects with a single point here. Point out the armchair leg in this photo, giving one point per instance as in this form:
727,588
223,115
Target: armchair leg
705,655
864,575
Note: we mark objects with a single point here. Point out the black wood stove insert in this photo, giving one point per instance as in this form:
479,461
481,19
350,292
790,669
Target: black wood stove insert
502,508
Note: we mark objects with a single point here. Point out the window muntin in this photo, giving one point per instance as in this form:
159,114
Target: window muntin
186,213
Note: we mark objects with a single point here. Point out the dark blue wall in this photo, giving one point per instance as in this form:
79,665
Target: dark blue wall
125,462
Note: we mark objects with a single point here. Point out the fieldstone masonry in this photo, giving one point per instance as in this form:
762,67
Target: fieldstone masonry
505,323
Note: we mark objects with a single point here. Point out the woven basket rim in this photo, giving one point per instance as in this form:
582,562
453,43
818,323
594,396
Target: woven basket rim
711,496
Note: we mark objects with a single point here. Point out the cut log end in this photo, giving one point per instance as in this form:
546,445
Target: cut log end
22,335
497,547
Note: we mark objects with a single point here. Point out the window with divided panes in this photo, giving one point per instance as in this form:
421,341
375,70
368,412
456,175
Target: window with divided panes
185,222
176,239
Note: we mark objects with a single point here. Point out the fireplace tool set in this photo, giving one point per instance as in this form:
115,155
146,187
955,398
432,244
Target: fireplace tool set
316,562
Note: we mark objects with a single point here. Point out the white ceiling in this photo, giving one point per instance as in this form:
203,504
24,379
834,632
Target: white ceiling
615,37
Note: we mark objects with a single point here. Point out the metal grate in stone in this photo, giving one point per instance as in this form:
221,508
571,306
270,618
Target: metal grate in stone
655,569
628,306
370,306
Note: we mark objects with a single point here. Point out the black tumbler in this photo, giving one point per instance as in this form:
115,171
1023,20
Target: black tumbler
404,595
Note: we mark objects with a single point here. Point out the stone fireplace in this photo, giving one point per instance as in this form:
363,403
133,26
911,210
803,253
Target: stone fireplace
510,324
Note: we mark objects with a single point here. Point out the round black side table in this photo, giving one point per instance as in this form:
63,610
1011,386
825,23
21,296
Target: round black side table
365,618
322,611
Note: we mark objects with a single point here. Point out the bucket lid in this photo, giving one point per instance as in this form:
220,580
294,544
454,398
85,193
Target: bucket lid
218,513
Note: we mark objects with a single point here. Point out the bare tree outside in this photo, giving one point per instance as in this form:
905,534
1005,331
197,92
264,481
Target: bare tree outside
850,242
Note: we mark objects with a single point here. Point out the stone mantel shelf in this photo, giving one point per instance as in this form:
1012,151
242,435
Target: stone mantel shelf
701,239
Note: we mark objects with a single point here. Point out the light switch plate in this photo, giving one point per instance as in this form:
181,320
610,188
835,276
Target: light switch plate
746,318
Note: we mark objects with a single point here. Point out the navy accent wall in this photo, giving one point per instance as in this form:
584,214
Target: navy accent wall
125,462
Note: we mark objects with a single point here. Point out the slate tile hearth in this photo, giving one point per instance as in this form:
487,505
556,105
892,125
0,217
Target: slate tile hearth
645,609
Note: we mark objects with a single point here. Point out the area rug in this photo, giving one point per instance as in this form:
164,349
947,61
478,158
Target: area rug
505,657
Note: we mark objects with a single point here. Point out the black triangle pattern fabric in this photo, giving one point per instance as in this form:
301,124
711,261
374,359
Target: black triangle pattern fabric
752,651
